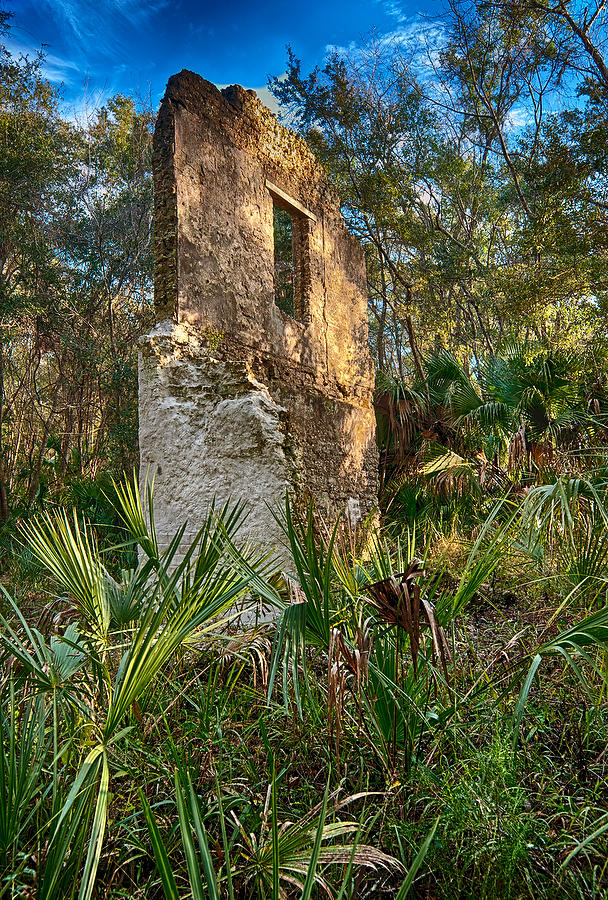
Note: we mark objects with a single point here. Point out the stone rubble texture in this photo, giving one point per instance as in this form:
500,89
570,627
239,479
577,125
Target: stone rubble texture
236,398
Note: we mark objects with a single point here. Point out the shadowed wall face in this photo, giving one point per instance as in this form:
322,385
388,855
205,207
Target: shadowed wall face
257,378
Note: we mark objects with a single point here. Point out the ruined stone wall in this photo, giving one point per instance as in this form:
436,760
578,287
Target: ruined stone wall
236,397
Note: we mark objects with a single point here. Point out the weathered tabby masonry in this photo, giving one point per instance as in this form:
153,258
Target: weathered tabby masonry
257,378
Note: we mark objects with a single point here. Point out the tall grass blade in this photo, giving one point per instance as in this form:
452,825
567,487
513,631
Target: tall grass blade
201,833
316,850
185,826
163,863
408,882
97,835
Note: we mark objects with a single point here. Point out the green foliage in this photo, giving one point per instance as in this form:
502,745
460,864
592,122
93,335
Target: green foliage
488,835
284,271
136,737
23,751
75,285
168,601
477,430
481,207
263,864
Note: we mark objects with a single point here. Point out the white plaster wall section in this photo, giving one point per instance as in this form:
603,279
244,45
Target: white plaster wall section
246,453
208,430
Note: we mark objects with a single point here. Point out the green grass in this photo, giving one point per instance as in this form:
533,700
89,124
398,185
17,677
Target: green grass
148,751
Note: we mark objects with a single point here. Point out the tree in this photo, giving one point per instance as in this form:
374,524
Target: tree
35,163
442,165
75,282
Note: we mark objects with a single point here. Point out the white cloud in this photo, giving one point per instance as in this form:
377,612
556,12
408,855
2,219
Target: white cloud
418,38
518,118
394,9
54,68
89,21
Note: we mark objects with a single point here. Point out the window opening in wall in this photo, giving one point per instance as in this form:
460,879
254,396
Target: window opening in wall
284,261
292,224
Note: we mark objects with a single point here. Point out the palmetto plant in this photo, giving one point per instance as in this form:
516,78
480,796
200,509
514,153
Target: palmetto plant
517,411
380,674
568,517
69,552
271,860
318,601
23,754
367,630
524,404
392,681
554,509
583,648
173,593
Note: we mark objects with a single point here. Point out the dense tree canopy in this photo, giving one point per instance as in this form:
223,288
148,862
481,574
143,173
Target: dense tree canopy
75,281
475,174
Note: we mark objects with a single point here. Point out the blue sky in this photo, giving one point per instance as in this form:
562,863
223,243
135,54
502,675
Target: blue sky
98,47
